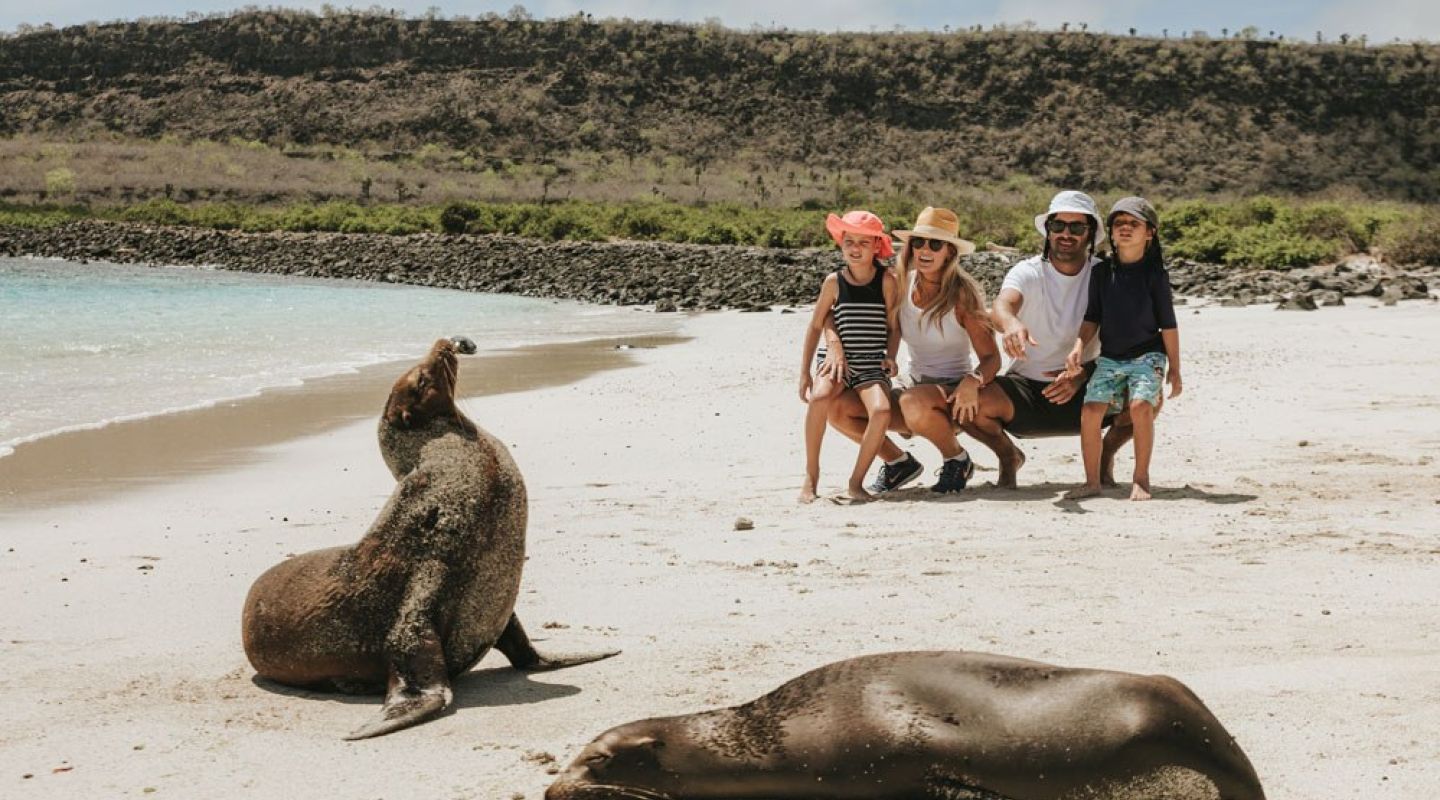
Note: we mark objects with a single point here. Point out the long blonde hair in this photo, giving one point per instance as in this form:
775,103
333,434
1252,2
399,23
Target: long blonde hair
958,290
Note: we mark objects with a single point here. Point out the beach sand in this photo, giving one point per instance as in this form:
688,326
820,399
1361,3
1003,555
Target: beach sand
1288,571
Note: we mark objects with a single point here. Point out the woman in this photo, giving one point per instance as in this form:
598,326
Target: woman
951,345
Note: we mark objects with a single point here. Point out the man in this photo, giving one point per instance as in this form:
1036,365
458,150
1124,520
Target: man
1038,313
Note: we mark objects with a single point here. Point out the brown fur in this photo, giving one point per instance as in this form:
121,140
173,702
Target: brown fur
429,589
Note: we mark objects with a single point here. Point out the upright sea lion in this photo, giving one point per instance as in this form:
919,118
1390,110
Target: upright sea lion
905,726
432,585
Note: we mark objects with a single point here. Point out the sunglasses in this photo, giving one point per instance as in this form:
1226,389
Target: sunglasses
1060,226
935,245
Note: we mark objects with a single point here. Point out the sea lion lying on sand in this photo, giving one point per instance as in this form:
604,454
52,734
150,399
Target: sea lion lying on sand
432,585
905,726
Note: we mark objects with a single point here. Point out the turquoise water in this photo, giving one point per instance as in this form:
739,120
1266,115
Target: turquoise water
83,345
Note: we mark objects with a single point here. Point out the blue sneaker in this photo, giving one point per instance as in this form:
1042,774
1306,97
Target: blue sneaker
891,478
954,474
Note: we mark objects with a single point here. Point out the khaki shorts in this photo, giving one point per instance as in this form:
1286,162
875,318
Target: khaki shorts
947,385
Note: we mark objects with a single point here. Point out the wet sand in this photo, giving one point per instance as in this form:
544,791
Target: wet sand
80,465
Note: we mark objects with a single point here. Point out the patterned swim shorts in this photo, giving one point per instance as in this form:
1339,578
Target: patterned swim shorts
1119,383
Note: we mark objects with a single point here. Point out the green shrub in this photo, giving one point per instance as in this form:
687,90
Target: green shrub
1413,240
456,217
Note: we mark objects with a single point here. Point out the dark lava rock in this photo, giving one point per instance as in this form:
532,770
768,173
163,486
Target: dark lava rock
1298,302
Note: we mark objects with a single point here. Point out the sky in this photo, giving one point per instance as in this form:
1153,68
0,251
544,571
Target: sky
1379,20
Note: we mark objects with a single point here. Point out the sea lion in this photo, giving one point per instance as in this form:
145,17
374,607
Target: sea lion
429,589
903,726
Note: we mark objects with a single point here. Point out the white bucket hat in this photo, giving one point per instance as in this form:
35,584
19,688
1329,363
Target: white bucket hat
1072,202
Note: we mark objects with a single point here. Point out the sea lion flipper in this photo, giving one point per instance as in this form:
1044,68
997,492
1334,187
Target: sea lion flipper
419,683
419,688
523,656
403,710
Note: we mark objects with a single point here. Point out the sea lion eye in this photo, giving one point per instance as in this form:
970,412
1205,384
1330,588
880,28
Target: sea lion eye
422,383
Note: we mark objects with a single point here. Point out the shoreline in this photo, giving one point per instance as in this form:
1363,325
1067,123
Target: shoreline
665,276
79,464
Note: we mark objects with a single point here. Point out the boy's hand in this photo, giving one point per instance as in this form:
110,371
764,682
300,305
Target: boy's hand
1072,361
1176,386
891,368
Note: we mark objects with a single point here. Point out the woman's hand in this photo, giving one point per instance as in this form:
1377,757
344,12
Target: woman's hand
834,366
965,402
805,383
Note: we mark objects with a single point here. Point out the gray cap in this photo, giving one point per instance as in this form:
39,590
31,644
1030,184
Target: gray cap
1137,207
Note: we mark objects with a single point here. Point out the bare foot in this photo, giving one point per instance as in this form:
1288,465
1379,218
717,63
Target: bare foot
1140,491
858,494
1083,491
807,493
1008,469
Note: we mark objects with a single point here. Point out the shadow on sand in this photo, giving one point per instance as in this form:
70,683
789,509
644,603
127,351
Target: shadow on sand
495,687
1055,493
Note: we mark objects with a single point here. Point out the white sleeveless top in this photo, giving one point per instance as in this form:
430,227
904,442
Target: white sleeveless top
936,351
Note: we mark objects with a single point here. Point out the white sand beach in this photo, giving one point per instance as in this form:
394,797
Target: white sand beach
1288,570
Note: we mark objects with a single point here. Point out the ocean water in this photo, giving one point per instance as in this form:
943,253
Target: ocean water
84,345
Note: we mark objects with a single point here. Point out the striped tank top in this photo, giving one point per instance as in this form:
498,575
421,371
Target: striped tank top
860,322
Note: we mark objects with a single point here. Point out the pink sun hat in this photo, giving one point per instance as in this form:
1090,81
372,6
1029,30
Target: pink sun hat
863,223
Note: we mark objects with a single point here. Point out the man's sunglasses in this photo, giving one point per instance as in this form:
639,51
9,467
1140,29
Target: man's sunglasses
934,244
1060,226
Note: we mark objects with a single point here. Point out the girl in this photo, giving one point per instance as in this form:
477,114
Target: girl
861,296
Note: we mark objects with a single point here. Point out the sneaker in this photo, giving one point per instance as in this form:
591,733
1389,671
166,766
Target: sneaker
954,474
891,478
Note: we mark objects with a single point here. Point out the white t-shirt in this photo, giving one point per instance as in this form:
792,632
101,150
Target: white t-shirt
1053,309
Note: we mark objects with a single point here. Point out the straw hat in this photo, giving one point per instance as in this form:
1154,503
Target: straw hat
938,223
863,223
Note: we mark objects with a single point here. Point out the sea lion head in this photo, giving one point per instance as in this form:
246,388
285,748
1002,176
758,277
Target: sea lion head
631,762
425,392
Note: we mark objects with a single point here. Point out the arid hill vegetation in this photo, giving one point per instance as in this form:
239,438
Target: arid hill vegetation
622,110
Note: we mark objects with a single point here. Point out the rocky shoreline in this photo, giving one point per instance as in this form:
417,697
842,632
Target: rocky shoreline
669,277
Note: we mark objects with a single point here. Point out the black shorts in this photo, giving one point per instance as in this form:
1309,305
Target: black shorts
1035,415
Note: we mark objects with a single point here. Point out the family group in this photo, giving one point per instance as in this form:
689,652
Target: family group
1090,339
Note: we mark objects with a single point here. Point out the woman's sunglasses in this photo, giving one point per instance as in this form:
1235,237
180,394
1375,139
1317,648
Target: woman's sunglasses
934,244
1060,226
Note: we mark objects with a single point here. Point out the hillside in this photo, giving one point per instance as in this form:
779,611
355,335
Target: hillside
623,108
